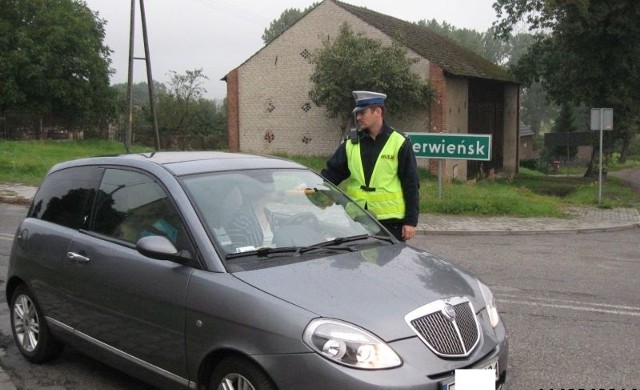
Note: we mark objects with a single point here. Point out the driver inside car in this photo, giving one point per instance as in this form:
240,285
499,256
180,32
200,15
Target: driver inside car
250,225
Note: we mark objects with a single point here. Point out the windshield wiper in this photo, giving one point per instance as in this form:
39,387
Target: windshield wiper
265,252
337,243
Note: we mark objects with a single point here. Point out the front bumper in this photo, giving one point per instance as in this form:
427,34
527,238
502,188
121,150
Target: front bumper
421,369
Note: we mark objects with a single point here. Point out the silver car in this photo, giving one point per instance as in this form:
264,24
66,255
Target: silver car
229,271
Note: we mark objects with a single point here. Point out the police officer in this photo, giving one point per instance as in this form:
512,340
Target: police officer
380,166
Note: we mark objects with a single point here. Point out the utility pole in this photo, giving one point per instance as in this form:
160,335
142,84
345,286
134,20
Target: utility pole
128,131
147,58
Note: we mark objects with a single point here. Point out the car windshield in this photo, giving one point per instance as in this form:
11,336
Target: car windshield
276,212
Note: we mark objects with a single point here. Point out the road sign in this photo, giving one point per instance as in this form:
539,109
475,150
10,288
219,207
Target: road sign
451,146
602,119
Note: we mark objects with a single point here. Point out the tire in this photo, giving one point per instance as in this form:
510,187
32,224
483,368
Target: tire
235,373
29,327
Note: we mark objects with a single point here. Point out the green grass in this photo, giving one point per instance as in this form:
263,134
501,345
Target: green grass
614,194
28,161
487,199
528,198
567,170
530,194
630,163
550,185
577,190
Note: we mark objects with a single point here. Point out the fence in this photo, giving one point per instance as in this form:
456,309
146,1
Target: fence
49,126
40,127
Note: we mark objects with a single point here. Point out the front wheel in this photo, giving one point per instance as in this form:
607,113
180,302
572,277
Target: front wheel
29,328
234,373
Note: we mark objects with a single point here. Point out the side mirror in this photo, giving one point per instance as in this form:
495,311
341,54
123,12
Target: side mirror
160,248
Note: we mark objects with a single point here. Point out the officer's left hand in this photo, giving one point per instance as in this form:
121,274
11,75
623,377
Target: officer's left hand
408,232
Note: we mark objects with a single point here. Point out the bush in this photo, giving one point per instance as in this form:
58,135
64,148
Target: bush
530,163
634,148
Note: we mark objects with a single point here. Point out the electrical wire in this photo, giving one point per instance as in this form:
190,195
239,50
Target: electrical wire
241,13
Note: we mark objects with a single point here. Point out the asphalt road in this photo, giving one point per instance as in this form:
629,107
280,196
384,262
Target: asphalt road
571,303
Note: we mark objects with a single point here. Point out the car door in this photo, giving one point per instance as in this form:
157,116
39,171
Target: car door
128,301
60,208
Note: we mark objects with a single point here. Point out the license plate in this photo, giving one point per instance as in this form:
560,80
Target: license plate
492,365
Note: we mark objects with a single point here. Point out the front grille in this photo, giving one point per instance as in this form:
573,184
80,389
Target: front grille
445,334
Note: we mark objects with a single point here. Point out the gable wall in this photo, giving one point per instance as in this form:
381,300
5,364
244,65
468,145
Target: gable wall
511,119
275,112
233,119
457,114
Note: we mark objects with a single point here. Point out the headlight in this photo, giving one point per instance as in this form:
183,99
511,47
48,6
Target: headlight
349,345
490,301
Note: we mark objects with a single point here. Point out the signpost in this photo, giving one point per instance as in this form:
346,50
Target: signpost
444,146
451,146
601,119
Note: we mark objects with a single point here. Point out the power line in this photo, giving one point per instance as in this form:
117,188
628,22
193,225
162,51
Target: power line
241,13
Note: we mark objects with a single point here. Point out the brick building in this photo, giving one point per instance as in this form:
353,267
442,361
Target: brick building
270,110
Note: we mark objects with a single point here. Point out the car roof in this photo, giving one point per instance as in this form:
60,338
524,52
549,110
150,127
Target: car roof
186,163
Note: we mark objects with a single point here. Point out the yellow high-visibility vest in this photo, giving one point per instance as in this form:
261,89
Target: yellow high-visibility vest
384,196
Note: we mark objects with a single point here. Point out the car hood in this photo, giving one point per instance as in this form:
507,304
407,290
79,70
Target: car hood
373,288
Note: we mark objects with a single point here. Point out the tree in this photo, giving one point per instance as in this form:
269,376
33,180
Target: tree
481,43
535,108
537,111
286,19
354,62
178,107
204,126
53,59
585,52
139,92
565,124
142,124
186,119
186,115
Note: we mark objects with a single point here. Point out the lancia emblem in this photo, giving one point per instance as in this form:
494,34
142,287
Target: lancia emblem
449,312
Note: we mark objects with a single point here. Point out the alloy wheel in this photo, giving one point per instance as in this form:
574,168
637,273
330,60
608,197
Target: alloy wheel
235,382
26,323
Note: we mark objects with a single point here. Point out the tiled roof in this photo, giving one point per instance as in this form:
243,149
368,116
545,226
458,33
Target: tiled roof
525,130
443,51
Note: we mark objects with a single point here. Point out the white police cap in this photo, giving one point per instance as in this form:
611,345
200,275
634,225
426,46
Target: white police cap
367,98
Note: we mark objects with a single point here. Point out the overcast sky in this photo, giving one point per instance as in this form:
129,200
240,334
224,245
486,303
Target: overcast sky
219,35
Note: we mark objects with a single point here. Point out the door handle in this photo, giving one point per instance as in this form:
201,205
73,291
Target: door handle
77,257
22,238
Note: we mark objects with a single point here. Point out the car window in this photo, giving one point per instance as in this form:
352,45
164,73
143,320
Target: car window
65,197
272,208
131,205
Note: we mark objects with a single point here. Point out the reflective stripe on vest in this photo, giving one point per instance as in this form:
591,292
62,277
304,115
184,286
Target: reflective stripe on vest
384,196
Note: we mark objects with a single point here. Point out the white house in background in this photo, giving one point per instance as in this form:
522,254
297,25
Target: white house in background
269,110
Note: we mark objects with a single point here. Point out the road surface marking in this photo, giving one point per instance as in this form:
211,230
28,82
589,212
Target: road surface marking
603,308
